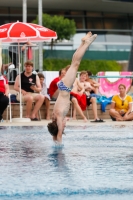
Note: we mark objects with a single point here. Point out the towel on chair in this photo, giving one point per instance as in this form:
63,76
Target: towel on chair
29,53
104,101
81,100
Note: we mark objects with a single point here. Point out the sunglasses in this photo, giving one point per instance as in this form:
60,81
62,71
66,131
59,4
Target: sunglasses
122,103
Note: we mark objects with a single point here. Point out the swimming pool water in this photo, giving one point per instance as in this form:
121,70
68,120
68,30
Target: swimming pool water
96,163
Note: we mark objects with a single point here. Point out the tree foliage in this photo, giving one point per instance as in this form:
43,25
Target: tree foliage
64,27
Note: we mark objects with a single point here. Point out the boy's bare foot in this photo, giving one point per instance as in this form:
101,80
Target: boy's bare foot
85,119
89,34
67,118
27,116
47,118
89,40
74,118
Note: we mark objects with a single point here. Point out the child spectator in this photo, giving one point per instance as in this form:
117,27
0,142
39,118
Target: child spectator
94,85
53,89
46,96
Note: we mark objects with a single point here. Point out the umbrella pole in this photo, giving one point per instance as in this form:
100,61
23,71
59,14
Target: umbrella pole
21,119
19,80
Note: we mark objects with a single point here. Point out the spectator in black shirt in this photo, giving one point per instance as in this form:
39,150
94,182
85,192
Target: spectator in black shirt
30,89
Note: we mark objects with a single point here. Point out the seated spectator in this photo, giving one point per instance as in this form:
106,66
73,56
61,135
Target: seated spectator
30,87
4,91
93,83
121,106
53,89
89,99
4,68
9,71
77,98
14,52
45,95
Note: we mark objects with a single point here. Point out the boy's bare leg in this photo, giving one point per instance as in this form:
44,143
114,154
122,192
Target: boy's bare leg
72,71
86,36
85,43
89,34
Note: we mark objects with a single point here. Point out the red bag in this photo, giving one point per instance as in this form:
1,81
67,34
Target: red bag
29,53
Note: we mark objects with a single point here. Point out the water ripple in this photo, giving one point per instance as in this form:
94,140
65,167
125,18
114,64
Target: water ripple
94,162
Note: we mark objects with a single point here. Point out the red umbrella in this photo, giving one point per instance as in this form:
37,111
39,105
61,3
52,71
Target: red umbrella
24,32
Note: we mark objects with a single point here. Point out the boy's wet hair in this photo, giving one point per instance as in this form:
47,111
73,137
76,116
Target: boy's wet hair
53,128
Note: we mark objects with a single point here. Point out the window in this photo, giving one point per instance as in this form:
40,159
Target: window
78,22
94,14
94,23
115,23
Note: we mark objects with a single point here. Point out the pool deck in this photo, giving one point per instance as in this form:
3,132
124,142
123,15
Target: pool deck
69,123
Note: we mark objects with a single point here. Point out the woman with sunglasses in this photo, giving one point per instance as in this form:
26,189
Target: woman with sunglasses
121,106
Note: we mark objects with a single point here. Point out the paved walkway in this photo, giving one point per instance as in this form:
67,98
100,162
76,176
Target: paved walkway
69,123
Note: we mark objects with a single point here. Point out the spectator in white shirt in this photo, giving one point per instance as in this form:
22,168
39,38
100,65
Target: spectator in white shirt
46,96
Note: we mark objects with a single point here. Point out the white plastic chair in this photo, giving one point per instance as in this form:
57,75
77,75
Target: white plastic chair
9,107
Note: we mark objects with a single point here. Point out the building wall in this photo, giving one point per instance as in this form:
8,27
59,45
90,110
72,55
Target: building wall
101,22
114,29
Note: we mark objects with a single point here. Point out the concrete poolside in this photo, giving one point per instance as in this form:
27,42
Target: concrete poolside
15,113
69,123
79,122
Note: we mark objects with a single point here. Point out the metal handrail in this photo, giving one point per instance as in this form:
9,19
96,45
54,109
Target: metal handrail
126,76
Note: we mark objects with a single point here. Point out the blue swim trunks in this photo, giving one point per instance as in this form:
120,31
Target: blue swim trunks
62,87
